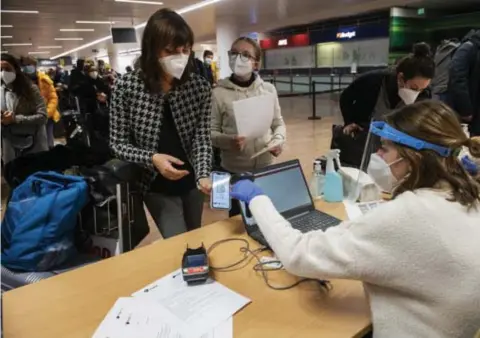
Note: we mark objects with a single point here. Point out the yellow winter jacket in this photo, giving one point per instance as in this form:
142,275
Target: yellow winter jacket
49,94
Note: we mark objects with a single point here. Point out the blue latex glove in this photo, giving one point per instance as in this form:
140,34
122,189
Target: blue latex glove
470,166
245,191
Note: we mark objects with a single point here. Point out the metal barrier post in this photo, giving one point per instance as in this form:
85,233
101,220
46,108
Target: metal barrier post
291,81
314,103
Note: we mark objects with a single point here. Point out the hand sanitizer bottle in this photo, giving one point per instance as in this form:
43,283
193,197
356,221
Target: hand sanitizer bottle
333,187
317,180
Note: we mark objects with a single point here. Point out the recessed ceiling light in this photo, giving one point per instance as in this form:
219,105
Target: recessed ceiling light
158,3
69,39
6,37
14,11
77,30
45,52
4,52
96,22
49,47
184,10
6,26
16,44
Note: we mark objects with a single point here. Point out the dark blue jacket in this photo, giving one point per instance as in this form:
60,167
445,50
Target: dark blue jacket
464,82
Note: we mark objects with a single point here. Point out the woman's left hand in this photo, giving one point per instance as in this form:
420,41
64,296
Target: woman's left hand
205,185
8,118
276,151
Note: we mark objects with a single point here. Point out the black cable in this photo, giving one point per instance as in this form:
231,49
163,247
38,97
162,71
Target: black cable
249,255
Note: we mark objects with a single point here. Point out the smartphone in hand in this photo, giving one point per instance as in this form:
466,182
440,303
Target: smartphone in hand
220,196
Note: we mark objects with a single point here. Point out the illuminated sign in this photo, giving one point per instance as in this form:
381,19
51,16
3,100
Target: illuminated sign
282,42
346,35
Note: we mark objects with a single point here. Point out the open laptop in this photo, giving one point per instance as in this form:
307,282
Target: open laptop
285,185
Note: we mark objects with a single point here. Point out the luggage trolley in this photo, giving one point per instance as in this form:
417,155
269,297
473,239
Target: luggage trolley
117,222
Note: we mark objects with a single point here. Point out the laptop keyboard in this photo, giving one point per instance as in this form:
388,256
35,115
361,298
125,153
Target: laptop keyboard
315,220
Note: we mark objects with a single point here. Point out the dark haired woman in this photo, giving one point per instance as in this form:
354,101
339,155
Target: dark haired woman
160,118
236,151
417,255
24,114
376,93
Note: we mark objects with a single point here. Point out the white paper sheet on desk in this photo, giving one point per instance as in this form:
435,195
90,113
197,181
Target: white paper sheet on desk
200,308
273,144
254,115
355,210
133,317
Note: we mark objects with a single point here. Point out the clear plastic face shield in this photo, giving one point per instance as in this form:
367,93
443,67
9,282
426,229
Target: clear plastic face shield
382,167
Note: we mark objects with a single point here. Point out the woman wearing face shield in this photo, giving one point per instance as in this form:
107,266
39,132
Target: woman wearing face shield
160,119
418,254
376,93
235,150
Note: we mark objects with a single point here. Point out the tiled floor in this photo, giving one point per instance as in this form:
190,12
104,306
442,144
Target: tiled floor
306,139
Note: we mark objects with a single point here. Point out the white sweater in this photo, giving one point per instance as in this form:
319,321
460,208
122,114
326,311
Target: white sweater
418,257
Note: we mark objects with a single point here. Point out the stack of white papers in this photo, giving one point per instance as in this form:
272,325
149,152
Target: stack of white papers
254,115
169,308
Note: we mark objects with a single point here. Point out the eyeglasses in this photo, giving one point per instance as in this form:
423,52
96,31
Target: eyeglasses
244,56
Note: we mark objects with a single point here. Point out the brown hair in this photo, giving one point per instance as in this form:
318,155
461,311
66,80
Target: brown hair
165,28
22,86
418,63
436,123
253,43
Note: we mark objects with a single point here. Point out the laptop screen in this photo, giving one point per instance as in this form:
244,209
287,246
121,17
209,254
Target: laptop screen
285,186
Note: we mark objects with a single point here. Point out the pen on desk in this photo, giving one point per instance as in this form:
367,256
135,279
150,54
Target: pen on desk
176,275
119,313
150,289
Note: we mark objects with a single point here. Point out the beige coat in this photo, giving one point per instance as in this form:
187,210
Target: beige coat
224,128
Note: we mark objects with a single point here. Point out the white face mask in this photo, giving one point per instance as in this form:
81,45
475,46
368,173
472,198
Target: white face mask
239,67
208,61
93,75
408,95
8,77
381,173
175,64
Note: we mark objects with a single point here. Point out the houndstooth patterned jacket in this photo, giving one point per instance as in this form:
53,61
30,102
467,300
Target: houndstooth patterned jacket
136,117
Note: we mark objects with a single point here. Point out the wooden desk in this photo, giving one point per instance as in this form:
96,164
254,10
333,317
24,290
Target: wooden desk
73,304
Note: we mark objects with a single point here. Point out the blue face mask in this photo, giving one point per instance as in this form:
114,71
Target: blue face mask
29,69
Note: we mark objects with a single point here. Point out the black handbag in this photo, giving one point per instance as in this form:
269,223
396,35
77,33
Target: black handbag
351,146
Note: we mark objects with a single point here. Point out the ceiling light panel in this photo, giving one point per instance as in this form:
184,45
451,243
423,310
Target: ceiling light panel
49,47
34,53
69,39
6,37
6,26
96,22
77,30
142,2
13,11
16,44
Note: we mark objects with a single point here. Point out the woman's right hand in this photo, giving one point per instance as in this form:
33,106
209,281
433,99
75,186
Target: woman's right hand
351,128
164,164
239,142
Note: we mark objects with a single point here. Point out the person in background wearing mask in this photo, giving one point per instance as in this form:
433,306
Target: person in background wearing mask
417,255
375,94
23,113
235,150
378,92
160,118
49,94
464,84
78,78
207,62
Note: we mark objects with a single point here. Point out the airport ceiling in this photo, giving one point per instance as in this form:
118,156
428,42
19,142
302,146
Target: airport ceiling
54,22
